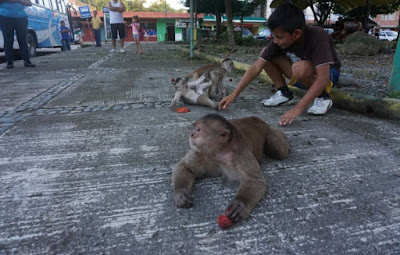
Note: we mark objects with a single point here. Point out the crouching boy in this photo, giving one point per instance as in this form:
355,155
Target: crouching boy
303,54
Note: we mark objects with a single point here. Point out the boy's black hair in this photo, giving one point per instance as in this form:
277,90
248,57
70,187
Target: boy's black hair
287,17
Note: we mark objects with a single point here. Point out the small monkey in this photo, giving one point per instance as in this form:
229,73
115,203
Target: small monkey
234,149
217,75
189,96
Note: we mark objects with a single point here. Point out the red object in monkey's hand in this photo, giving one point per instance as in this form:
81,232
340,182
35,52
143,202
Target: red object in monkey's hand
182,110
224,222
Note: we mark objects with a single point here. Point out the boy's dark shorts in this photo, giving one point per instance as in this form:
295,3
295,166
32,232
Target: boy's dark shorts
335,74
121,30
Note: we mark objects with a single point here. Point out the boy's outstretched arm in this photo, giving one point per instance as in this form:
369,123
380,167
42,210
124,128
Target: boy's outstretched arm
248,77
316,89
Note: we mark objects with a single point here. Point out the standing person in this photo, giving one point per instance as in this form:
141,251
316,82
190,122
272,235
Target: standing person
376,29
96,23
136,30
65,38
14,18
359,26
117,23
299,52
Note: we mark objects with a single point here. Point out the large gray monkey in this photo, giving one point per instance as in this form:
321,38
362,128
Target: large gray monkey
233,149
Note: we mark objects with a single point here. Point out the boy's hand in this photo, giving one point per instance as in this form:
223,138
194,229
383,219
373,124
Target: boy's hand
226,101
289,116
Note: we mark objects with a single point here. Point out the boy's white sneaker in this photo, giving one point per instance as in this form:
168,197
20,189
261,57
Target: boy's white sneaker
112,51
122,50
276,99
320,106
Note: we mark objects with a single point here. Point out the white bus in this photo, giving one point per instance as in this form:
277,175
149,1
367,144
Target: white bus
44,17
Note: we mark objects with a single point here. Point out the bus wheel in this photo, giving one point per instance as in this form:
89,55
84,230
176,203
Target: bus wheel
31,45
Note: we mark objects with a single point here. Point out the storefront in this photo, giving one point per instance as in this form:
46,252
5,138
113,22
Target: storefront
158,26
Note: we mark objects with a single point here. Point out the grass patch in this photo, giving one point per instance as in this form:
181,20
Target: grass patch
395,95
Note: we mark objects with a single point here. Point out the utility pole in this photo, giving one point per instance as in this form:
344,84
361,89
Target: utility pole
394,83
191,28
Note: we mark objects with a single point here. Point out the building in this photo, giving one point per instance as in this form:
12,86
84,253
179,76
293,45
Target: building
159,26
388,21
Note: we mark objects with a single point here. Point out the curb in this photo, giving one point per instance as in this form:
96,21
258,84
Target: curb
356,102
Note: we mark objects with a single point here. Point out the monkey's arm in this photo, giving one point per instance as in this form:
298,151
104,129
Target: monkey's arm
182,181
249,194
195,83
201,83
175,101
252,188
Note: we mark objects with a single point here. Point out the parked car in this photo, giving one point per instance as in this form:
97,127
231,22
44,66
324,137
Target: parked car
387,35
246,33
264,34
329,30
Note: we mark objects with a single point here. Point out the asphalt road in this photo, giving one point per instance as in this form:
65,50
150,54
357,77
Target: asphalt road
88,143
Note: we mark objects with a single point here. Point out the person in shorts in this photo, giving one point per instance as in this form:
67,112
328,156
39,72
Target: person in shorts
117,8
303,54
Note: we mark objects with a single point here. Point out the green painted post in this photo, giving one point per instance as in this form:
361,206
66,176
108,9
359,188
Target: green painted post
191,28
394,83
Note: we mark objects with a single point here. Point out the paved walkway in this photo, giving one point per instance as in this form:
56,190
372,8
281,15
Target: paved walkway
87,145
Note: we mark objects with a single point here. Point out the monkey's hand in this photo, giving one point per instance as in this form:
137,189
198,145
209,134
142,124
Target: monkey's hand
183,198
237,211
173,105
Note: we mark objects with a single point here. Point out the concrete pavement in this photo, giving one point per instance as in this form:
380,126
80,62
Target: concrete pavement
87,145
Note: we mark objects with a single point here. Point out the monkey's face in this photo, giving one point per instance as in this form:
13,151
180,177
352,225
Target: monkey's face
180,84
208,137
228,65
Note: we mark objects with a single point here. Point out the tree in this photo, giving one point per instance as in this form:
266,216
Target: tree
229,7
245,8
322,8
160,6
229,17
216,8
321,11
363,12
135,5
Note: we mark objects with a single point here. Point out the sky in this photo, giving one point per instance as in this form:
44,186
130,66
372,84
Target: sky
176,4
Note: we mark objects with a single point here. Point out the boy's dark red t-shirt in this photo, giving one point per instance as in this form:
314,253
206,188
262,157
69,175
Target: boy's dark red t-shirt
316,47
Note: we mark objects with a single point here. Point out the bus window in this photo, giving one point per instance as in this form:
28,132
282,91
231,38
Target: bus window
55,5
46,3
61,5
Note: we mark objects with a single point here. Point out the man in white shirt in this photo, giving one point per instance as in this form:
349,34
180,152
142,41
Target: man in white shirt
117,23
